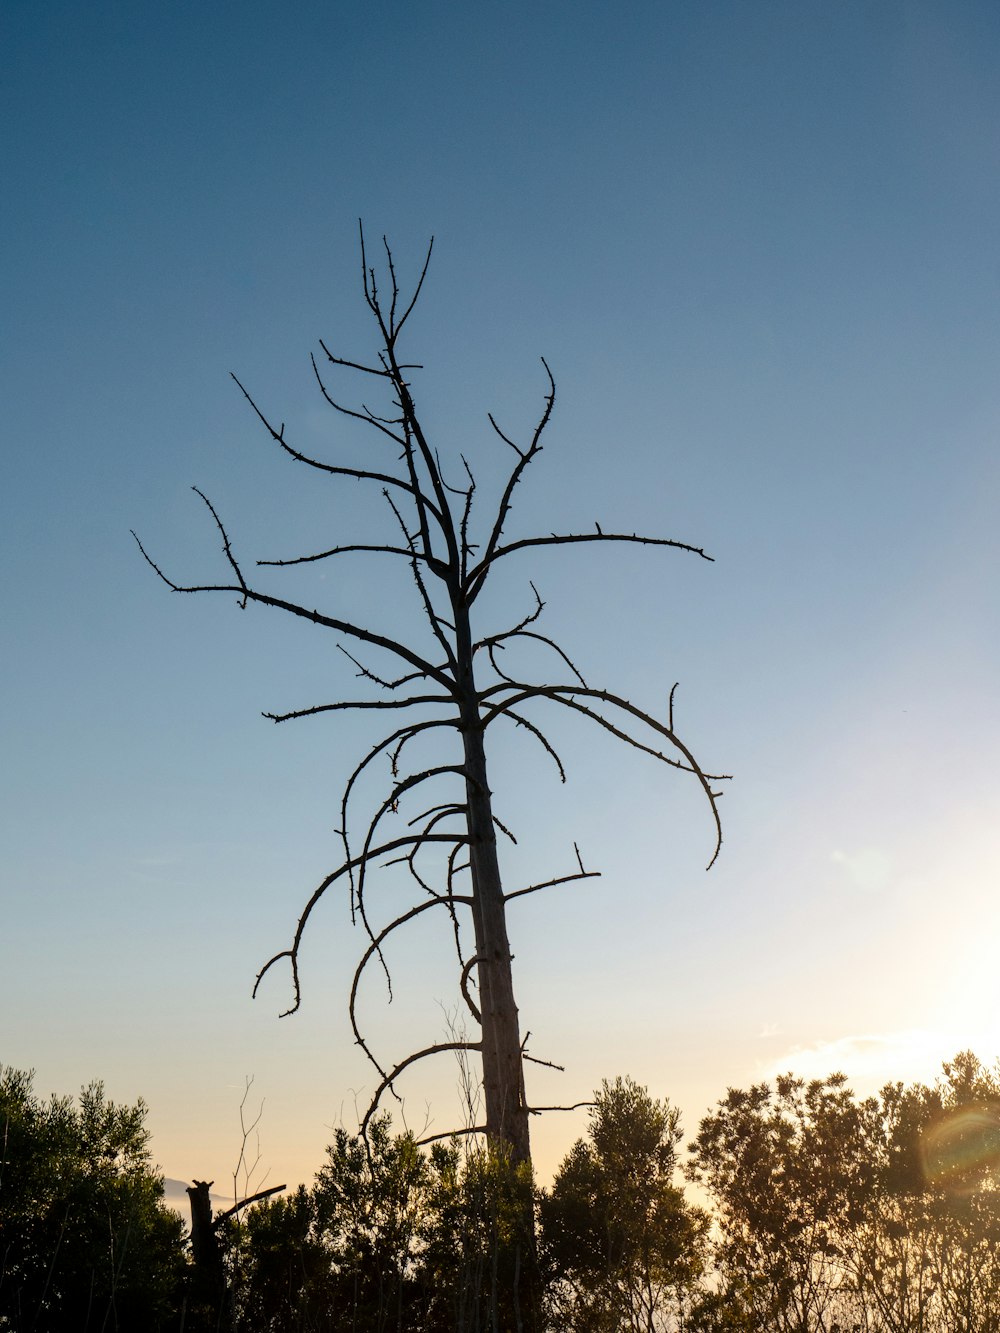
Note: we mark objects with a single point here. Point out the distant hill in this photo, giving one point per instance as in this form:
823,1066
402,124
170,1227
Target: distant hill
175,1196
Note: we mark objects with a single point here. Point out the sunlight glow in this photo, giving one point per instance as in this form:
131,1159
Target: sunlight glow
963,1149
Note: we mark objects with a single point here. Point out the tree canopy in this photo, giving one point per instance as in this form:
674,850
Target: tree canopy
881,1214
86,1241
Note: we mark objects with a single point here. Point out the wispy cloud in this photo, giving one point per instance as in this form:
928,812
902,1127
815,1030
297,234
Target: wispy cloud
871,1060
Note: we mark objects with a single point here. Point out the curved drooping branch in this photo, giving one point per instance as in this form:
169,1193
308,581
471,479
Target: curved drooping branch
292,953
397,738
374,950
566,695
540,736
391,803
394,1073
491,648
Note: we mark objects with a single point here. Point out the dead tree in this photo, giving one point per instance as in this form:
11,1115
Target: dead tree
461,687
208,1249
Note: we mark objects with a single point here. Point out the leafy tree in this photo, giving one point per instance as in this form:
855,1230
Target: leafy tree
286,1279
477,1240
790,1178
86,1241
622,1249
368,1199
927,1255
461,680
389,1238
881,1215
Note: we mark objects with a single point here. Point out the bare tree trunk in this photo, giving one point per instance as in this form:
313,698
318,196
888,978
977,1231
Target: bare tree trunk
209,1276
503,1077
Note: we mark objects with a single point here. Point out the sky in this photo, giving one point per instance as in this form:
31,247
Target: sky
756,243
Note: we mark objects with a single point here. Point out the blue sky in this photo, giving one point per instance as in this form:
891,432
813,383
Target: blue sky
757,245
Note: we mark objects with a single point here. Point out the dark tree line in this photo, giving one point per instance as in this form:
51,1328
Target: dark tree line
825,1213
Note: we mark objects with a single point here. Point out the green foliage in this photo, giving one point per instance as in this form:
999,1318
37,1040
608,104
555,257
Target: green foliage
389,1237
281,1271
788,1172
369,1201
621,1247
477,1259
85,1239
881,1214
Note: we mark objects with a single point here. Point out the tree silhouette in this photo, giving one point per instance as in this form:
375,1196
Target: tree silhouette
836,1212
86,1240
460,686
621,1247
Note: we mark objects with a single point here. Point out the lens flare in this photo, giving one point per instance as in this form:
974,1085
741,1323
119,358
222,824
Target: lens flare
962,1150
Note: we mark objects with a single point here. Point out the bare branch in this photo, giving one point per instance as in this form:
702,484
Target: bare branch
399,738
463,982
384,427
540,737
395,288
359,474
411,702
245,1203
437,624
504,829
345,550
247,593
529,619
366,674
413,300
356,365
374,949
547,1063
395,1072
506,438
551,643
551,883
543,1110
481,1129
566,695
436,812
477,576
466,515
391,803
292,953
450,1134
478,571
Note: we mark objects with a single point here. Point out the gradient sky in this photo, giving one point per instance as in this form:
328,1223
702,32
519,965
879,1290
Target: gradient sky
757,243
